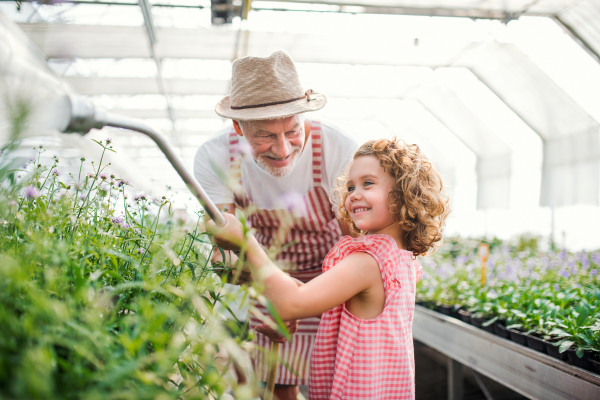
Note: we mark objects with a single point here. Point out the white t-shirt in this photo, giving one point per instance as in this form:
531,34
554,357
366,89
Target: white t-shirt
212,160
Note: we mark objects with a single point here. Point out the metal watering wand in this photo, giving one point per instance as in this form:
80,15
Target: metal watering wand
81,116
84,116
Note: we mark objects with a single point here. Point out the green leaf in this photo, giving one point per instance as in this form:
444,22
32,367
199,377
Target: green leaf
579,352
583,315
280,324
565,345
559,332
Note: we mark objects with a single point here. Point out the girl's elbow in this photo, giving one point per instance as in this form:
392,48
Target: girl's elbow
290,310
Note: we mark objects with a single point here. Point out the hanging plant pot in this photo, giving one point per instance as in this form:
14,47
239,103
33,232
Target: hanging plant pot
518,337
552,351
465,316
536,343
500,330
583,362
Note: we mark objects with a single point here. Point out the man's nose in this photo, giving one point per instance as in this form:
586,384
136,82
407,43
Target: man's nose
282,147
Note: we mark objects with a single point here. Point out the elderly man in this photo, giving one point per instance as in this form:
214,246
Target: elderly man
281,168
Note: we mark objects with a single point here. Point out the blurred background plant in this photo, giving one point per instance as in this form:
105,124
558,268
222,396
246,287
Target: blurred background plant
551,294
103,296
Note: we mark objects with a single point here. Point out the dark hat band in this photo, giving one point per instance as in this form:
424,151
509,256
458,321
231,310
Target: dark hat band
306,94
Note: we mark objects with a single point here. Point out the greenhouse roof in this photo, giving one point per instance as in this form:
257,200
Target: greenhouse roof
508,75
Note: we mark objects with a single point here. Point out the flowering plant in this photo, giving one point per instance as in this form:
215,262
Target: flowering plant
553,295
104,298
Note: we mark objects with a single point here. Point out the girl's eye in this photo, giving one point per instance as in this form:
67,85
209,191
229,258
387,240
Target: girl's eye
350,189
367,183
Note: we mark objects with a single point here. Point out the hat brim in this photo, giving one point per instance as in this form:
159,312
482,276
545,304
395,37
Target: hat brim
223,108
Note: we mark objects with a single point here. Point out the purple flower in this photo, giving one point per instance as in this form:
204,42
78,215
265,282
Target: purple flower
91,175
563,254
108,140
564,273
596,258
32,192
556,287
140,250
243,148
461,260
56,172
294,202
103,177
117,220
594,272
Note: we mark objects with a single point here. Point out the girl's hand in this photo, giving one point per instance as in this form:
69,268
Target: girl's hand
229,236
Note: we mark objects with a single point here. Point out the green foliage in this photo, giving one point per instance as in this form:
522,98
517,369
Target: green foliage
101,298
554,295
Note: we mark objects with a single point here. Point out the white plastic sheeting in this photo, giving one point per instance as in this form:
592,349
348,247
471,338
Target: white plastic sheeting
570,135
493,155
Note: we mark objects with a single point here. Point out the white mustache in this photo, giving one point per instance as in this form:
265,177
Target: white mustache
270,154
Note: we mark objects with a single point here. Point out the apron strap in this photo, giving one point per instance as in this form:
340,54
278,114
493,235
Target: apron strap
316,152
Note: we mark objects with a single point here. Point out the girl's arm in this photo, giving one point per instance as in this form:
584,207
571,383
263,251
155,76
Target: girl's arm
355,274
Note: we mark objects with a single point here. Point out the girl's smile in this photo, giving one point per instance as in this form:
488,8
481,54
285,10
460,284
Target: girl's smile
368,188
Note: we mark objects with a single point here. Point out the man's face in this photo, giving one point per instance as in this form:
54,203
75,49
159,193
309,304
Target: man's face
276,144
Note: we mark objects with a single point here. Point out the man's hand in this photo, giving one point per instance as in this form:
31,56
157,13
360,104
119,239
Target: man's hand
230,236
275,336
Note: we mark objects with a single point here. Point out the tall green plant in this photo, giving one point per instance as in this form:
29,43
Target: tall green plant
103,297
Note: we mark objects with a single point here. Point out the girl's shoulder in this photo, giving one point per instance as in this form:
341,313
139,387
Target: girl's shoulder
382,248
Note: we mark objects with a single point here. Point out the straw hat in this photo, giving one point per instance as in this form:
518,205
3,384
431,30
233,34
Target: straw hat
267,88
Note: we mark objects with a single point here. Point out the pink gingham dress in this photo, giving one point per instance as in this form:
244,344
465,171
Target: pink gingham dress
371,359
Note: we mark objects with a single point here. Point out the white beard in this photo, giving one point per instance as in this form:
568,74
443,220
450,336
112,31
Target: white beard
278,172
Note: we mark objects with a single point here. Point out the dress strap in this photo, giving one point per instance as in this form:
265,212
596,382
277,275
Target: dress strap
317,150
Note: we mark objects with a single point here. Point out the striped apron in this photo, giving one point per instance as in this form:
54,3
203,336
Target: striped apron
303,239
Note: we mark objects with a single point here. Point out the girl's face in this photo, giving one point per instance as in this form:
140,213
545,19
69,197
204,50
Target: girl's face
368,188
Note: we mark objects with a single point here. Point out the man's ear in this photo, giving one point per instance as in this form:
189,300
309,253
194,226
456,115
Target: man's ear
237,127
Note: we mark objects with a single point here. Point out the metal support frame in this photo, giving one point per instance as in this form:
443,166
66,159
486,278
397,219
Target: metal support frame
524,370
486,391
146,8
456,386
577,38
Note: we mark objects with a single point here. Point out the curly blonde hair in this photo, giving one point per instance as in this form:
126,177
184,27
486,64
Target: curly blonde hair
417,200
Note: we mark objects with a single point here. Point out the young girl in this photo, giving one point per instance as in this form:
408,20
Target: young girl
393,200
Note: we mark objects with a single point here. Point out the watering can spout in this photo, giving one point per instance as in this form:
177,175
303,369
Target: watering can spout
83,116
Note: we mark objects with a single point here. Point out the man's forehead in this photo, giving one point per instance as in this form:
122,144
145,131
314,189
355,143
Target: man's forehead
274,125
